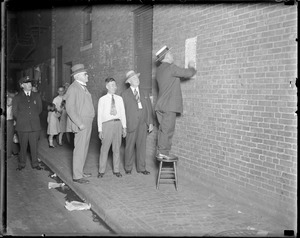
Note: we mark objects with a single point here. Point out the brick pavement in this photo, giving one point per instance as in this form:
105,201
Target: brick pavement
132,205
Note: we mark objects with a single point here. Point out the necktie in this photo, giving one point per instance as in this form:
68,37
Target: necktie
137,96
113,110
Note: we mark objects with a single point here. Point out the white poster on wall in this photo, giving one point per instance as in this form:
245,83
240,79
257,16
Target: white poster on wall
190,50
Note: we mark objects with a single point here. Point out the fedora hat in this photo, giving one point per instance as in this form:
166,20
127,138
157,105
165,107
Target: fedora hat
130,74
78,68
25,79
161,53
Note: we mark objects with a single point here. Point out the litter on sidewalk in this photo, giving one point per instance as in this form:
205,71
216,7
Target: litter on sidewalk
250,228
75,205
55,185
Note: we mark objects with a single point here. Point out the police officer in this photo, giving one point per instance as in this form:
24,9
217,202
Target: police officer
27,106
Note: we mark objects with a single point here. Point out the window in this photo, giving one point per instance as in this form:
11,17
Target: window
87,25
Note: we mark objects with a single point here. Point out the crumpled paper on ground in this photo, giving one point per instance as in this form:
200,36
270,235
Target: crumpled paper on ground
75,205
55,185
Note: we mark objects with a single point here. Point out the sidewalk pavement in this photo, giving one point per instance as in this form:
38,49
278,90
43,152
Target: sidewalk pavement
131,205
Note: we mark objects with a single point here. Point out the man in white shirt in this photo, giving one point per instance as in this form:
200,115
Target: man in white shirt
111,127
58,99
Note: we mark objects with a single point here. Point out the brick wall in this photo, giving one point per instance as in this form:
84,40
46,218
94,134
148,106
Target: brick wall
111,52
238,132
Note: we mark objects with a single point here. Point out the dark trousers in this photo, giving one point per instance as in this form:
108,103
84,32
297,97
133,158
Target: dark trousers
32,138
136,147
166,131
11,147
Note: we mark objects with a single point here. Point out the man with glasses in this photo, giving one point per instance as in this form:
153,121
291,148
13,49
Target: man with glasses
81,112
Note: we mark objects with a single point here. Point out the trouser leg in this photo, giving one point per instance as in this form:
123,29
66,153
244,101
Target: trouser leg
33,142
106,143
23,139
166,130
129,150
81,144
116,144
141,146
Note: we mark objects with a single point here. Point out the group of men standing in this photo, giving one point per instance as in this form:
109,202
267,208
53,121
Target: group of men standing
129,116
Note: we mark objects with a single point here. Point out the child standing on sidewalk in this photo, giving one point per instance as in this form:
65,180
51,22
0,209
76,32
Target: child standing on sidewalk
53,123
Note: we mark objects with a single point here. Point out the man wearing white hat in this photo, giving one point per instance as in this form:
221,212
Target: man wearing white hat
139,119
169,101
81,112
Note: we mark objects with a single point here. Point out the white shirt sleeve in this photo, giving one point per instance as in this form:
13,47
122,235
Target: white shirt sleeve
100,115
122,113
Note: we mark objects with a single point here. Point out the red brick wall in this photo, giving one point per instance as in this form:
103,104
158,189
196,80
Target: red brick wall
238,132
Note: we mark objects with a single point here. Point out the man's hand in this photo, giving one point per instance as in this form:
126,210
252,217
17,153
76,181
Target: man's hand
150,129
82,127
124,132
191,64
100,135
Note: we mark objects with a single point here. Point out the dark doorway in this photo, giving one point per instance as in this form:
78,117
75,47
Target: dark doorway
67,72
143,26
59,67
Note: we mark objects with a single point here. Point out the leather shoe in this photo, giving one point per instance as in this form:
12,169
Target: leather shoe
162,156
81,180
144,172
87,175
118,174
37,167
20,168
100,175
51,146
128,172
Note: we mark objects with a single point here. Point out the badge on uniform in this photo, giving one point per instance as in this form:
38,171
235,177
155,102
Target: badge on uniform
34,102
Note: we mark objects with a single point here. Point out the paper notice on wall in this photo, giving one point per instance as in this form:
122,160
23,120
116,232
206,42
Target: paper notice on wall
190,50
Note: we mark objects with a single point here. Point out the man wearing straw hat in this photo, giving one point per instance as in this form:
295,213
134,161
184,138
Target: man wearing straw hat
139,120
81,112
169,101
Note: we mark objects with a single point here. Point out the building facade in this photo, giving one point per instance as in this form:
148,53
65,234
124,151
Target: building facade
238,132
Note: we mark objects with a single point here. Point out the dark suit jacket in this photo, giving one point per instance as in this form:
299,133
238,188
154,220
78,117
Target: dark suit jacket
27,112
168,79
131,108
